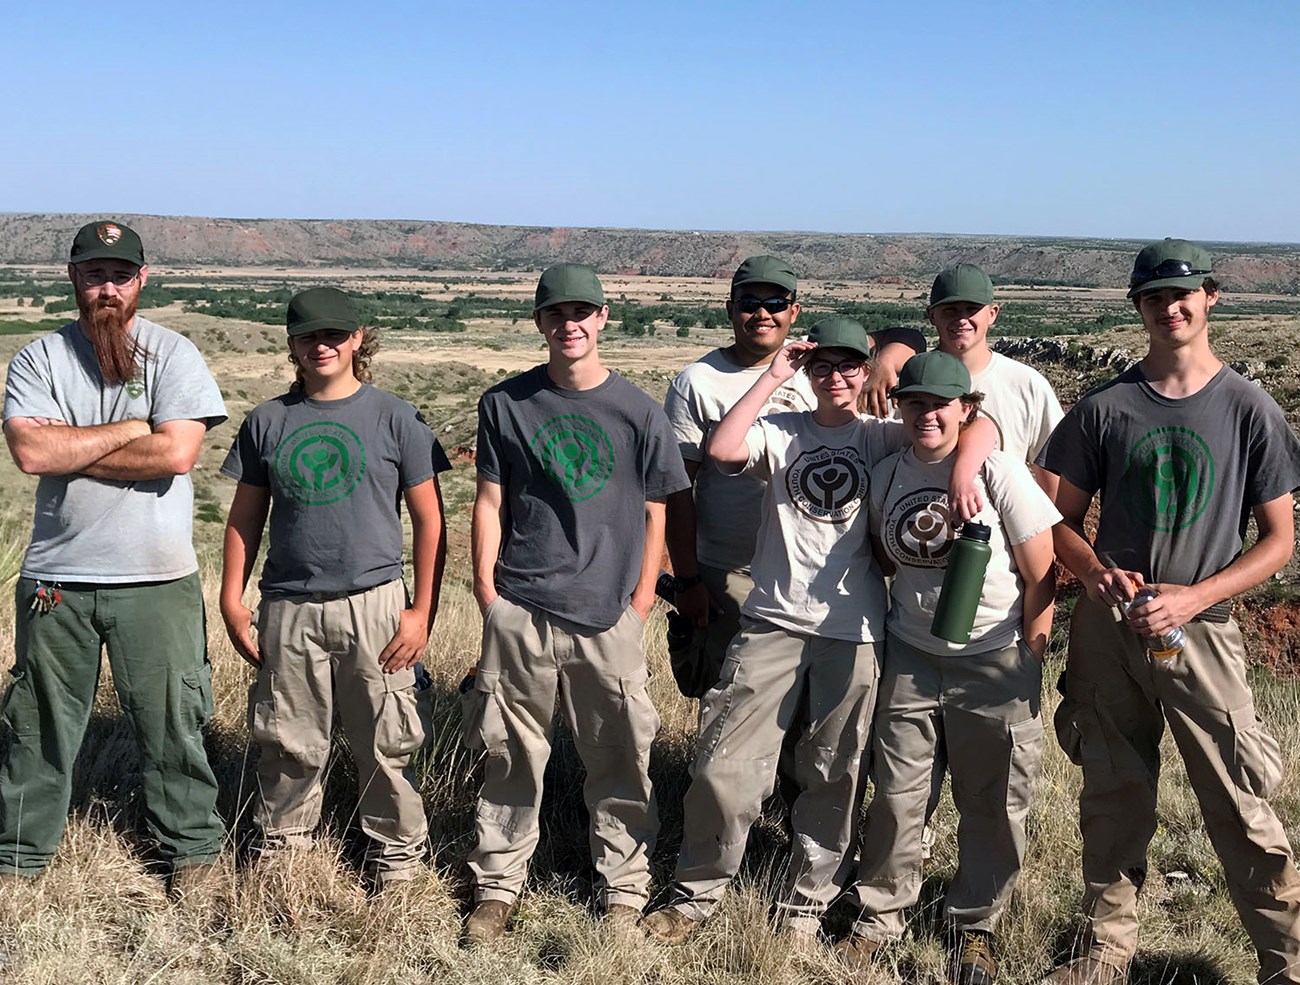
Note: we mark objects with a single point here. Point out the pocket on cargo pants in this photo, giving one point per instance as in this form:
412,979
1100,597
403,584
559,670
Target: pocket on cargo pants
482,717
1256,755
18,708
399,729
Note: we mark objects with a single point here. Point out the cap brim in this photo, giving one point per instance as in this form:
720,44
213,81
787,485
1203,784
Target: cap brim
323,325
792,288
1189,283
949,391
565,299
952,298
105,253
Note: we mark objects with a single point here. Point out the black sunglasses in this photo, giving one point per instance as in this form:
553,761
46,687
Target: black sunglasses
1164,270
774,306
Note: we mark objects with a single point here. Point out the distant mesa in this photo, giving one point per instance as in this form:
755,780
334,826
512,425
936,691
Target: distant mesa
892,258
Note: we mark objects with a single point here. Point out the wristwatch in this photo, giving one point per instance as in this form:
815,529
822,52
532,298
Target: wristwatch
681,584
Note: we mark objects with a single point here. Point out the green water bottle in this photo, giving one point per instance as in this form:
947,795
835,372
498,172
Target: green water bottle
963,584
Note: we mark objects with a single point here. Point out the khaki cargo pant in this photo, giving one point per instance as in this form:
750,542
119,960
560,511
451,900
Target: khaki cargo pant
318,653
529,659
1115,709
983,711
773,678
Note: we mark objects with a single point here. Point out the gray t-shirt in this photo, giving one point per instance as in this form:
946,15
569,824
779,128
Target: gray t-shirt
336,470
101,530
726,506
575,467
1177,477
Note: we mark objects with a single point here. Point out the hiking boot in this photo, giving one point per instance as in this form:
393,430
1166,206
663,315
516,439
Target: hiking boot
801,942
195,883
621,917
487,921
857,952
670,926
973,962
1087,971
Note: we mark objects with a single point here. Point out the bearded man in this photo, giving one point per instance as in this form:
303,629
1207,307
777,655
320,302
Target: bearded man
110,411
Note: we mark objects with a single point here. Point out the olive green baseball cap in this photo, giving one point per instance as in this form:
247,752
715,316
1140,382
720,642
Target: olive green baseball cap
107,240
568,282
321,309
963,282
841,333
935,373
765,270
1169,263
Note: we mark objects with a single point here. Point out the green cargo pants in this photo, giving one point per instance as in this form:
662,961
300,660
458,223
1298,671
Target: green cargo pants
156,643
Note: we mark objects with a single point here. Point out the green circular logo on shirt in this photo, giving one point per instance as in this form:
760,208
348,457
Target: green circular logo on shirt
320,463
576,453
1168,478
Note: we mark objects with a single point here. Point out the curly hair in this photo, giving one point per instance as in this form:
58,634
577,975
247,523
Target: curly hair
360,360
970,403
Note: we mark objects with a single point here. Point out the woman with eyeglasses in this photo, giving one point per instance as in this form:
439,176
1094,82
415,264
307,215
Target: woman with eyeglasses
977,701
811,638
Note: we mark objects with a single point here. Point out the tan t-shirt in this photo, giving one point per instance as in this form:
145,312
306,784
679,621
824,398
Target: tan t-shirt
813,568
909,512
1020,403
727,507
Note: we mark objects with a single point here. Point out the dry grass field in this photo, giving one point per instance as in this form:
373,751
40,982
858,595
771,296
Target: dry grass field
99,914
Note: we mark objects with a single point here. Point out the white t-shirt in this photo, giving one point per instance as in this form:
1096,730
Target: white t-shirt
727,507
909,513
1020,403
813,569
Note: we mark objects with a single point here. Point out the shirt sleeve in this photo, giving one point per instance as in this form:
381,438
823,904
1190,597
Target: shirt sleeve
1023,509
417,449
1071,451
663,472
29,390
1049,415
244,462
1273,456
686,421
489,458
185,389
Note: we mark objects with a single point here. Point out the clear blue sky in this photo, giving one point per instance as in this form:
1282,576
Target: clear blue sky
1076,119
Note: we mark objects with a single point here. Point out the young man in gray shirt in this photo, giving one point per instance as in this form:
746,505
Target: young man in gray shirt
1183,453
574,464
110,411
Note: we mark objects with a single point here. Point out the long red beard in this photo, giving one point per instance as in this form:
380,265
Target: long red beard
108,324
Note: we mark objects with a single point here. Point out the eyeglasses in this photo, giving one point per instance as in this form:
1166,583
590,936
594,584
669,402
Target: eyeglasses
847,369
1163,270
774,306
97,278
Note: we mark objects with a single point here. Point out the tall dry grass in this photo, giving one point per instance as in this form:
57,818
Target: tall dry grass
99,915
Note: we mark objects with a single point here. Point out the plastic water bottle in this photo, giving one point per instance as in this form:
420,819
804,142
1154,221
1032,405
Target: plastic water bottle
1162,648
963,584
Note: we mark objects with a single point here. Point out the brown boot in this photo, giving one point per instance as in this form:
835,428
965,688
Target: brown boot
621,917
670,926
973,962
487,922
857,952
1087,971
196,883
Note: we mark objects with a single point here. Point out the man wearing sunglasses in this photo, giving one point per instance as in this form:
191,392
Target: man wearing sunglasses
712,528
110,411
1183,452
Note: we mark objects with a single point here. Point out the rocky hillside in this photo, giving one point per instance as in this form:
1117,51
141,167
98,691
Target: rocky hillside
449,245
